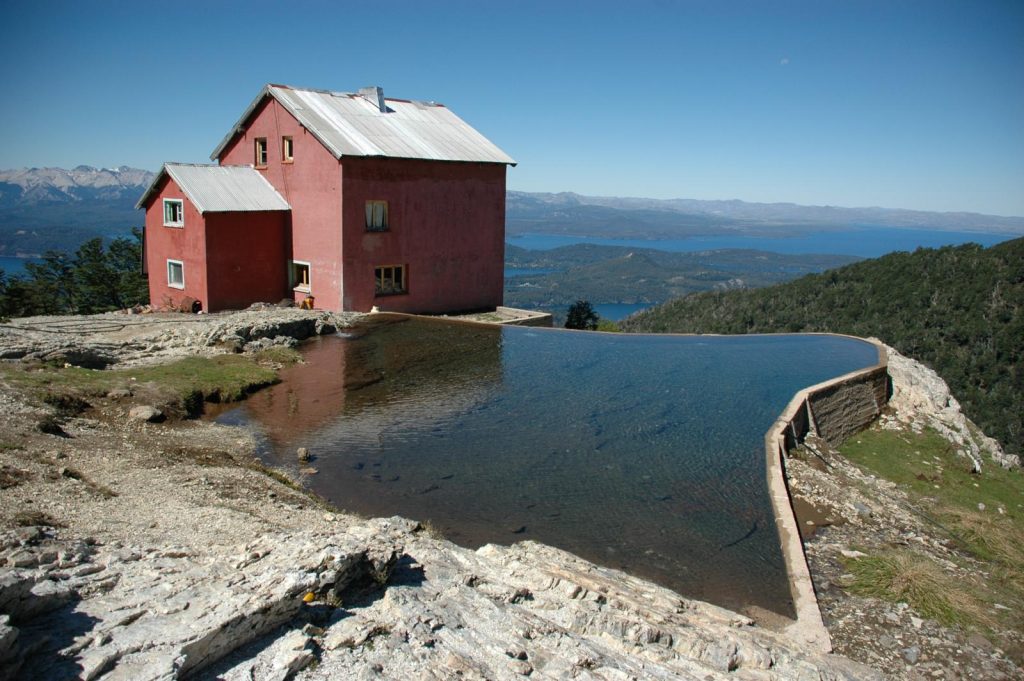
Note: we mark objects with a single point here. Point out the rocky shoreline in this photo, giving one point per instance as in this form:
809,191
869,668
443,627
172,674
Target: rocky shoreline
160,550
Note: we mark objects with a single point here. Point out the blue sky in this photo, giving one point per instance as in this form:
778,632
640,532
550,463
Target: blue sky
899,103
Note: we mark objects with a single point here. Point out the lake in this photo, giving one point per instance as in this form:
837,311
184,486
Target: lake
865,243
644,453
619,311
12,266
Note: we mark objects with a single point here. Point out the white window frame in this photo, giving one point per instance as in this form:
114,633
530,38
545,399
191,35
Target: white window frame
170,282
292,279
181,213
287,149
373,216
257,143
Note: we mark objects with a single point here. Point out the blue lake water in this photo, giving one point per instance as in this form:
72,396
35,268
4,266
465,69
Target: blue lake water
12,266
513,272
619,311
644,453
865,243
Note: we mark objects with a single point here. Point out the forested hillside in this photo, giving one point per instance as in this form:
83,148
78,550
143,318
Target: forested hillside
958,309
622,274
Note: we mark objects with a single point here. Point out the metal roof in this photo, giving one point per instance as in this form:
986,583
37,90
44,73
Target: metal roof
350,124
220,189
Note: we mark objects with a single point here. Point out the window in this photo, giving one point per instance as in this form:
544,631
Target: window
298,275
376,216
390,279
287,150
174,213
175,274
261,152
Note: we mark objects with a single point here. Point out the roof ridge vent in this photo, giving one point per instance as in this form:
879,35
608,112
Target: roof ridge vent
375,95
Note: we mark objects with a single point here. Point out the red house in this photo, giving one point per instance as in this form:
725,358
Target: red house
351,198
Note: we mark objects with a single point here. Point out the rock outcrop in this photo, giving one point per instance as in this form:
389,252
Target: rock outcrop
376,599
921,399
98,341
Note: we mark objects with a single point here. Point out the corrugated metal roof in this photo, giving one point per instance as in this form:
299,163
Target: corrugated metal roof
220,189
349,124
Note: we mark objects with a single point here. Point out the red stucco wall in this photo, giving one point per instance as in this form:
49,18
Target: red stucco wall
446,225
311,185
246,259
186,244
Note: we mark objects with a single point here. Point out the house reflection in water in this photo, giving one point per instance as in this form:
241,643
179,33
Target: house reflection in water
365,387
644,453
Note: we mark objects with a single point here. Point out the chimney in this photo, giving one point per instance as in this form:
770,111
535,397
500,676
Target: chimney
375,95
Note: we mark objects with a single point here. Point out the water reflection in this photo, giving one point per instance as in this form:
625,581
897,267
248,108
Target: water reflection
642,453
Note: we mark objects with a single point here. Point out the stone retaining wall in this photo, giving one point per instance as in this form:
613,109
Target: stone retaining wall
833,410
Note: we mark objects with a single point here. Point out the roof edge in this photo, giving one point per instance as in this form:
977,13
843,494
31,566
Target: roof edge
166,171
143,200
238,128
269,90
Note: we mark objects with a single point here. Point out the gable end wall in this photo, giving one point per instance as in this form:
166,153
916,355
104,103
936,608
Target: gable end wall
312,187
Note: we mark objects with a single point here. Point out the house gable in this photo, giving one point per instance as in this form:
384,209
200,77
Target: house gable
367,124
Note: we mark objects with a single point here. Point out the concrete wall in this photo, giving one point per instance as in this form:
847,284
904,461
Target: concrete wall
834,410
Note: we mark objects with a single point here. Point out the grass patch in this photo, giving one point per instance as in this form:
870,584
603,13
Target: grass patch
278,354
186,382
928,466
12,477
940,485
905,576
36,518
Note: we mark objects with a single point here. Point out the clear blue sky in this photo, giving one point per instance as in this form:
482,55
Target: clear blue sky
896,103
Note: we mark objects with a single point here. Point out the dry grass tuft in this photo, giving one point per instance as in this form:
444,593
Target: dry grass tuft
912,578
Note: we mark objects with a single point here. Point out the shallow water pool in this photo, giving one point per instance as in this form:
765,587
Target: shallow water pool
644,453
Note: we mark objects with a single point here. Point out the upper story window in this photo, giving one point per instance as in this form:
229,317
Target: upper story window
287,149
261,152
174,213
376,216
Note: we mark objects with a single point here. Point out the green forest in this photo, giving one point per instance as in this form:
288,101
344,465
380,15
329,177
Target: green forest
96,278
958,309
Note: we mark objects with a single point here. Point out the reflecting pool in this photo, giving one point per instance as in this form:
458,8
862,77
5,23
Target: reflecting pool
644,453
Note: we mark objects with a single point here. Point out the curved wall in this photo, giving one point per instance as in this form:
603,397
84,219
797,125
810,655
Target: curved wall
833,410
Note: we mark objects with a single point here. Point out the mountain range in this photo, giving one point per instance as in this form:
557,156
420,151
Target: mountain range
56,208
576,214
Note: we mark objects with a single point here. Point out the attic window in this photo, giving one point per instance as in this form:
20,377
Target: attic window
175,274
174,213
389,280
287,150
376,216
261,152
298,273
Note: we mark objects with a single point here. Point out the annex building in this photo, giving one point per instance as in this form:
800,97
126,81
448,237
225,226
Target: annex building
352,199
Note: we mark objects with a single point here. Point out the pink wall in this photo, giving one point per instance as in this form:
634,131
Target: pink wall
186,244
311,185
446,225
247,254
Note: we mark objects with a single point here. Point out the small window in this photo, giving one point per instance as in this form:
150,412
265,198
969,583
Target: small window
390,279
298,274
261,152
174,213
376,216
175,274
287,150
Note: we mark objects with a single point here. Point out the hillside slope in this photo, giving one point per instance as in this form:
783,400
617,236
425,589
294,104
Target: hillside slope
621,274
958,309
